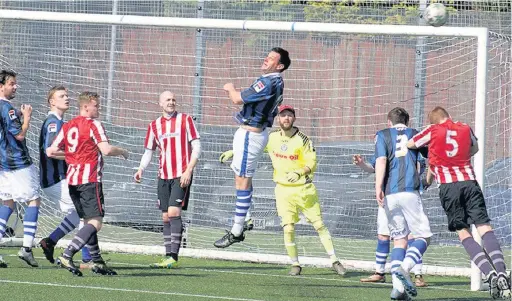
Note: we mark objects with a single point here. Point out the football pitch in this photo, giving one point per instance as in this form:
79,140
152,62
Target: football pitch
201,279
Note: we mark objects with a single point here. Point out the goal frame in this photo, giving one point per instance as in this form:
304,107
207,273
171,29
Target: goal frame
481,33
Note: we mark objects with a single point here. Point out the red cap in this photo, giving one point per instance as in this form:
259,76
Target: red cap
286,107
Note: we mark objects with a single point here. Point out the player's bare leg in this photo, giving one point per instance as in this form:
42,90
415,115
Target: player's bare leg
243,203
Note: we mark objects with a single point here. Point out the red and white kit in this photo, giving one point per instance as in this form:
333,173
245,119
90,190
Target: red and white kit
449,150
172,135
79,138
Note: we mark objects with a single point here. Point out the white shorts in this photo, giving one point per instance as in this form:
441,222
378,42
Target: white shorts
382,222
406,215
59,193
247,150
20,185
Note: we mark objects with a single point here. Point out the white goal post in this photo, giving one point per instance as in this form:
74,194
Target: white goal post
481,34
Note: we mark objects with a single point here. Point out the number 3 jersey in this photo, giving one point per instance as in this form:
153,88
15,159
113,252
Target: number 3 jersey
401,165
79,139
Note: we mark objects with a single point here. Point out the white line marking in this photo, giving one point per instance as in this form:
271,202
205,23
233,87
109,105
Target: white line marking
301,277
125,290
295,277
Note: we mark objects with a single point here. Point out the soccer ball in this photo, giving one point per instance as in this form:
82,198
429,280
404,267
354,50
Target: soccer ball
436,14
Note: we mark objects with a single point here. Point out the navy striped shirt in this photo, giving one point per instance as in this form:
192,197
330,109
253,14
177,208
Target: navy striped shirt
261,100
13,153
51,171
401,166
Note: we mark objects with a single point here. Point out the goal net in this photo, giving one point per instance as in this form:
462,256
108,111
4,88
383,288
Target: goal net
341,84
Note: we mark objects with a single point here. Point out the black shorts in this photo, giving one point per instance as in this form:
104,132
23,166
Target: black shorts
88,199
464,204
171,194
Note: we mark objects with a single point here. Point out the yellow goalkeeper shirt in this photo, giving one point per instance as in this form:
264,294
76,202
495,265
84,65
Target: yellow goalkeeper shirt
289,154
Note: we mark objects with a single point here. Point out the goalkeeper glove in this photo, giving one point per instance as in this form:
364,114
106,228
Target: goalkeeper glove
226,156
294,176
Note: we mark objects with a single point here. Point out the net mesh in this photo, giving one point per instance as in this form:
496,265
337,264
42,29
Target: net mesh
342,87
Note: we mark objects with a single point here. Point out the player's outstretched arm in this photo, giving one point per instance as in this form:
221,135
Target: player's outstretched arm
428,180
186,177
107,149
411,144
380,171
144,163
359,161
56,148
234,95
421,139
53,151
59,154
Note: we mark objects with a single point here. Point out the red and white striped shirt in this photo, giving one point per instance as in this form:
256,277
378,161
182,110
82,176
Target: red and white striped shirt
449,150
173,136
79,139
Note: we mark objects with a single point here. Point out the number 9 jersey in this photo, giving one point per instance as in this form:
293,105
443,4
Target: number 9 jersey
78,139
402,163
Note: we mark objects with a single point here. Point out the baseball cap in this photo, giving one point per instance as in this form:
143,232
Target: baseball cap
286,107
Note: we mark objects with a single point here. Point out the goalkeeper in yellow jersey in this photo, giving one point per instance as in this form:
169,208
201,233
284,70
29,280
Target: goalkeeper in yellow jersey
294,161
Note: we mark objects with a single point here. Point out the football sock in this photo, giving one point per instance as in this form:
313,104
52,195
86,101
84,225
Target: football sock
176,230
381,255
5,213
477,255
93,247
492,246
414,253
243,203
68,224
30,226
86,255
79,240
167,238
397,257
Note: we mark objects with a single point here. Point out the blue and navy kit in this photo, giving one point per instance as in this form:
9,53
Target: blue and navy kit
401,166
261,100
51,171
14,154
